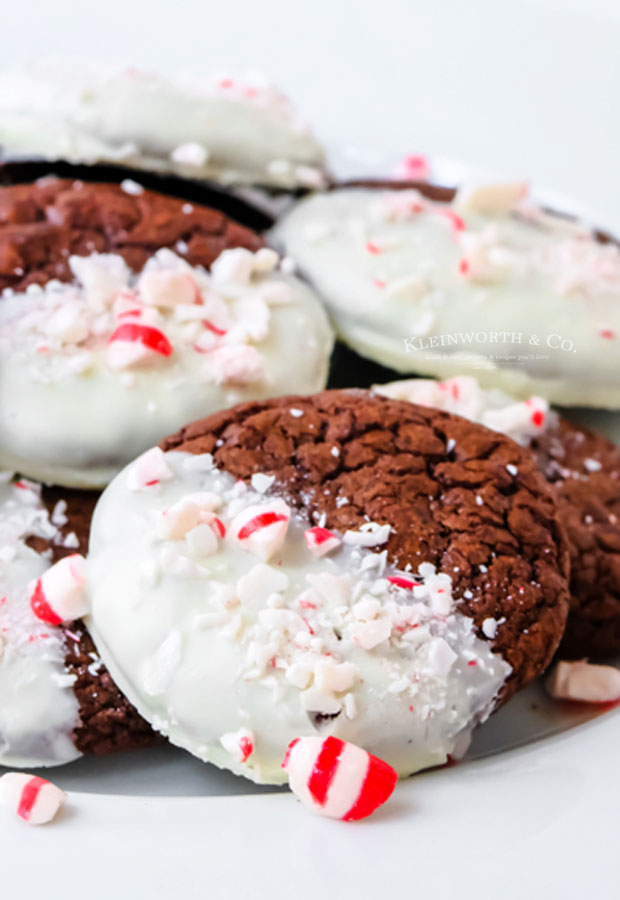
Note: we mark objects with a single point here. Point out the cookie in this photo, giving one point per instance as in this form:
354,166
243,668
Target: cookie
126,313
486,283
321,565
233,130
246,208
583,468
58,700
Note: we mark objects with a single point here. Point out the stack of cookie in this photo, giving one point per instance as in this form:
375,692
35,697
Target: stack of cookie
270,560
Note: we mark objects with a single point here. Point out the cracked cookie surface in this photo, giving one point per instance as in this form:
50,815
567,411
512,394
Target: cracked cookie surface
464,498
42,224
584,470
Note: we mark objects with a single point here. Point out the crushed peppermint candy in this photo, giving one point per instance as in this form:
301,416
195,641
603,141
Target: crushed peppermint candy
584,682
310,622
207,325
522,420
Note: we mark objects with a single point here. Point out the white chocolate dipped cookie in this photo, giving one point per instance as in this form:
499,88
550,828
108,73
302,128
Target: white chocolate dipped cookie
233,130
239,609
39,710
94,371
488,284
57,700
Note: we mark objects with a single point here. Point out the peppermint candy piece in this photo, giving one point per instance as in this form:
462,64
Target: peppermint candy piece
240,744
33,799
320,541
175,521
336,778
133,344
585,682
148,470
261,529
168,289
59,595
490,199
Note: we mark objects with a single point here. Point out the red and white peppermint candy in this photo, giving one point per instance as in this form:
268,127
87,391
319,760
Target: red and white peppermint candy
175,521
336,778
148,470
585,682
33,799
133,344
401,581
261,529
59,595
320,541
240,744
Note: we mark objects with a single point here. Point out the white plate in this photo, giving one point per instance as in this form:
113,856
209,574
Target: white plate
539,821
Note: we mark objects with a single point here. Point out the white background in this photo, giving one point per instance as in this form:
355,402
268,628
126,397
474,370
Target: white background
528,88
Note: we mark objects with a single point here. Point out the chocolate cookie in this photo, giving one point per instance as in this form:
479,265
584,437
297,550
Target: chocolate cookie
257,536
68,704
254,213
583,468
126,313
43,224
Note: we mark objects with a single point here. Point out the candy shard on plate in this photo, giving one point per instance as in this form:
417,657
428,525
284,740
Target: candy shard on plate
338,779
59,595
33,799
585,682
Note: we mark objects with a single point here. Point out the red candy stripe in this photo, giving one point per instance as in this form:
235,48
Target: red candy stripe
219,527
321,535
378,785
150,337
247,748
261,521
29,796
289,750
325,769
41,607
213,328
401,582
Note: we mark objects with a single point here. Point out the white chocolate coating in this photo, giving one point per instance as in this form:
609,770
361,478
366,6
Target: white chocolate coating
521,420
38,708
232,657
420,287
237,131
76,405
